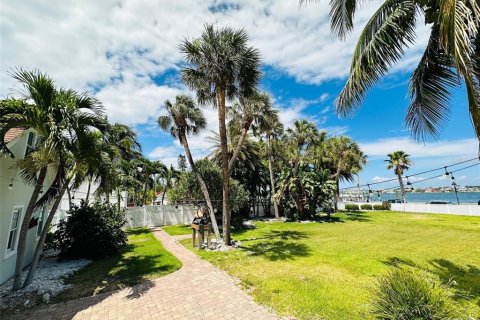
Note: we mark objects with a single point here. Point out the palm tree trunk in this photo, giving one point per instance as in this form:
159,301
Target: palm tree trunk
119,198
226,175
88,189
164,191
337,192
402,187
69,194
272,181
203,186
43,236
145,194
22,239
236,151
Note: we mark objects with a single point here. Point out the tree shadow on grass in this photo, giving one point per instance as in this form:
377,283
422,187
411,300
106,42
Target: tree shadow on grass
466,278
280,234
357,216
331,219
278,250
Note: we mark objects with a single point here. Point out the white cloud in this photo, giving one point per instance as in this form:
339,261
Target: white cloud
454,149
381,179
167,154
118,47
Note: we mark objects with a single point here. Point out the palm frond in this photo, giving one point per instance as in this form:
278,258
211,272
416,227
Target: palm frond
381,44
429,90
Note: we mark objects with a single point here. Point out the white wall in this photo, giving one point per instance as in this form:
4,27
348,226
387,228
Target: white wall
456,209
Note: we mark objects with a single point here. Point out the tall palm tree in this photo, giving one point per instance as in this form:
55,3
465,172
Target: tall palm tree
184,118
221,66
344,159
254,111
452,54
399,161
56,115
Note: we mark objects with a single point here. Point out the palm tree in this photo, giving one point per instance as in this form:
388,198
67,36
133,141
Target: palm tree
254,111
452,54
344,158
55,115
183,118
221,66
272,130
168,176
399,161
81,153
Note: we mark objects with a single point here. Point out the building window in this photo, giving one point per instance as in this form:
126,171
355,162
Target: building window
30,143
41,218
14,226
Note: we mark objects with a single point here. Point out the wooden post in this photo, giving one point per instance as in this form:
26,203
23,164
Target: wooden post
202,236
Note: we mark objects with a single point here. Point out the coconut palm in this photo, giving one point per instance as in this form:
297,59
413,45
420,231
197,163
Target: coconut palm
183,118
254,111
451,54
399,161
168,177
56,115
221,66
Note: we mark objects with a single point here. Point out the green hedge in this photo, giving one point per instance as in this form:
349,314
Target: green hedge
378,207
352,207
366,206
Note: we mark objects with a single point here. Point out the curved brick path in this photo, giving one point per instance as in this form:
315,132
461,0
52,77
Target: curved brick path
197,291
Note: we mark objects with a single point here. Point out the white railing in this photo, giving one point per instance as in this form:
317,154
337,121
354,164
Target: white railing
457,209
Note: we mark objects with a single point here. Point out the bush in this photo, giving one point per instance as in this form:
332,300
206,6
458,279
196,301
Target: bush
91,232
366,206
378,207
352,207
407,294
386,205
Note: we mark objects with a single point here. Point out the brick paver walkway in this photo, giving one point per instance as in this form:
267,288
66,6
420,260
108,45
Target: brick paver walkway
197,291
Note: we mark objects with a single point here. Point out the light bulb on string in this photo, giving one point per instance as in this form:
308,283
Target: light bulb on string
10,186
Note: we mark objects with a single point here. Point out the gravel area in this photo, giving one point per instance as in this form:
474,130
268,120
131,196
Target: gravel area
48,282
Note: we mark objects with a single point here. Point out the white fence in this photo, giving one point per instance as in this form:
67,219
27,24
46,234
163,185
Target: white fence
157,216
457,209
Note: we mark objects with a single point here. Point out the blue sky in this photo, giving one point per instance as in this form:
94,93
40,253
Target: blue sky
126,53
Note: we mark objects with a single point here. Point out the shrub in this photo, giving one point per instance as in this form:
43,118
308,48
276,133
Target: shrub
366,206
91,231
407,294
386,205
352,207
378,207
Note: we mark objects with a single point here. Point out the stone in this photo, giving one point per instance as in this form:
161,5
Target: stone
26,303
46,297
40,292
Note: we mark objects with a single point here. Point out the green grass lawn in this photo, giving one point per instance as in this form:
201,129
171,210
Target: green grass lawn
143,258
177,229
326,270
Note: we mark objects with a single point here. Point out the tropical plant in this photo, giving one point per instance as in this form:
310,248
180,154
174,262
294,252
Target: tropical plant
187,188
272,130
55,115
220,66
399,161
344,159
183,118
254,111
91,231
451,54
404,294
